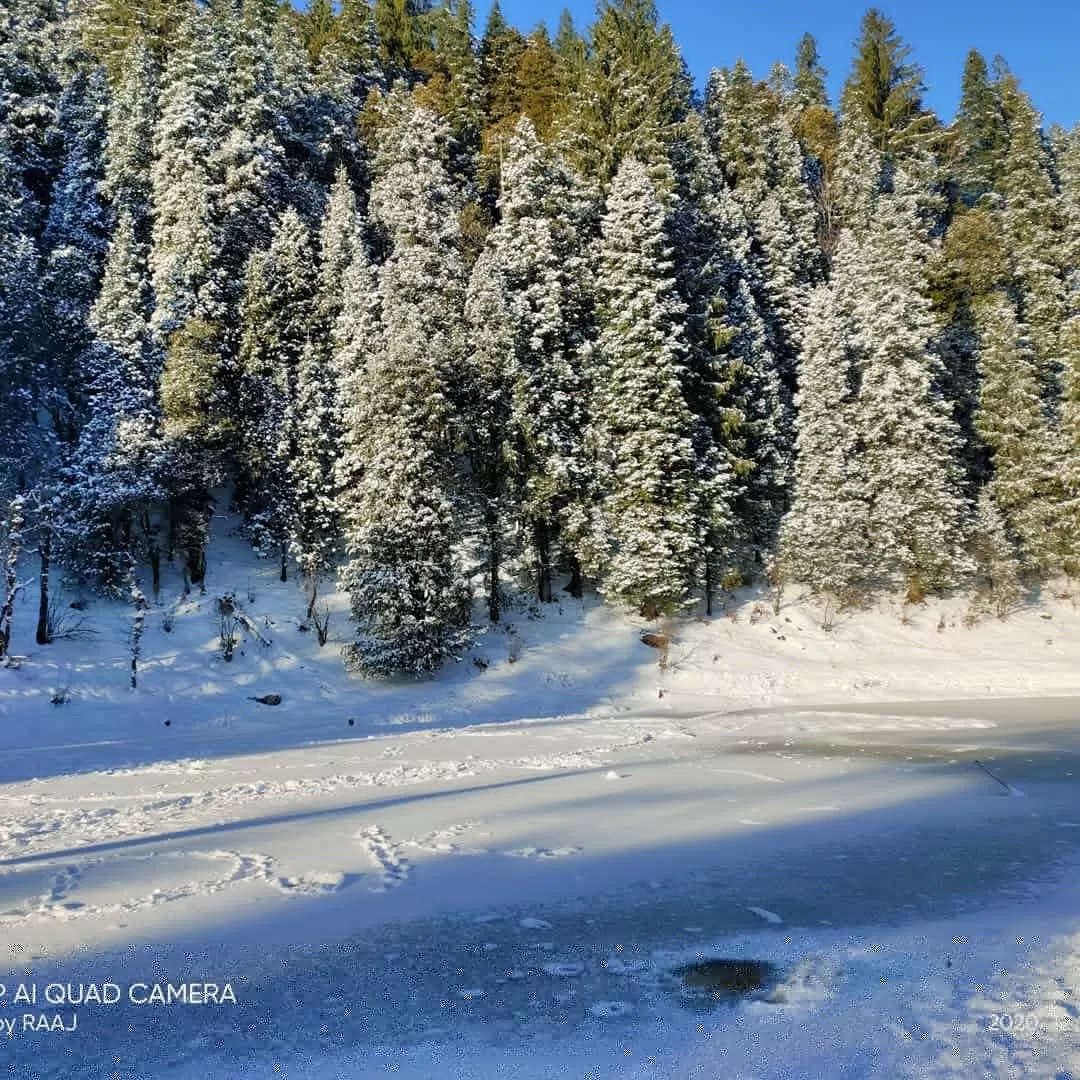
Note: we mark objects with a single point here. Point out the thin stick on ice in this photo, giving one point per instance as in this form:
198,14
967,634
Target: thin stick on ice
1009,789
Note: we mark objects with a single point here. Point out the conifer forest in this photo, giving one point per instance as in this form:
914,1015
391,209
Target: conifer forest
449,314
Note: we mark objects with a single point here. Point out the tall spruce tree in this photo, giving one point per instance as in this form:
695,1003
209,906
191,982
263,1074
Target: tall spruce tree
529,318
824,542
633,92
905,426
1011,422
407,591
279,300
648,523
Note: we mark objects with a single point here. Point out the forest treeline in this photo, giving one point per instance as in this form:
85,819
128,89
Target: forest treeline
457,316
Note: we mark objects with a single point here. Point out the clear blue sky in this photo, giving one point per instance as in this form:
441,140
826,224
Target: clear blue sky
1040,39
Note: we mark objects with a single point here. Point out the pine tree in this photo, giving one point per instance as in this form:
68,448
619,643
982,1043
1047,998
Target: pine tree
810,74
74,244
996,563
278,303
316,448
884,89
129,142
400,32
648,534
631,96
453,87
905,426
528,316
407,591
1011,423
825,536
108,517
981,132
1033,231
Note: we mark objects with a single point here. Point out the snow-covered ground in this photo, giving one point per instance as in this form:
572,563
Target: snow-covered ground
498,872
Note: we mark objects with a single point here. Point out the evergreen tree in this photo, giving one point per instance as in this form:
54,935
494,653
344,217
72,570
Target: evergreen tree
633,92
279,299
1011,423
885,88
907,433
129,141
74,244
528,316
407,591
648,535
108,516
810,73
981,132
825,536
994,553
313,419
1033,231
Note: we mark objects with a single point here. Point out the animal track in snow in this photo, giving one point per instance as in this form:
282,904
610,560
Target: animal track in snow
313,883
386,855
542,853
57,902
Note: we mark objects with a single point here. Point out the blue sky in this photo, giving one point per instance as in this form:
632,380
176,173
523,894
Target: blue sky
1039,38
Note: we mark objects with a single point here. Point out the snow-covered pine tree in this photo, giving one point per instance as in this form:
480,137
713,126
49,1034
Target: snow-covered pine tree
129,142
711,238
276,323
529,312
648,522
313,419
73,245
981,132
632,92
825,536
1011,422
996,563
906,430
1069,173
856,181
407,590
1033,232
188,132
115,477
357,339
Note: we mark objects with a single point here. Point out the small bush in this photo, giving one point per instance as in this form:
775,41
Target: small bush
228,612
62,625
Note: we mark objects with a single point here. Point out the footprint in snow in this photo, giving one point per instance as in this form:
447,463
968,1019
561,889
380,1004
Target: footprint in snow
542,853
315,883
385,854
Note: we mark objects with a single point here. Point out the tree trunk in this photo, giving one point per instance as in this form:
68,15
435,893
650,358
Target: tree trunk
709,584
542,539
155,570
494,597
313,581
42,637
576,588
284,575
196,564
11,576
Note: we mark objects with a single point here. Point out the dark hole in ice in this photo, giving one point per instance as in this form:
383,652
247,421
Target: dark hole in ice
723,980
